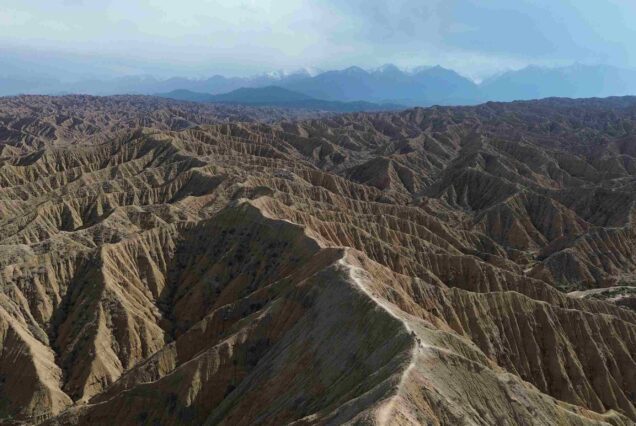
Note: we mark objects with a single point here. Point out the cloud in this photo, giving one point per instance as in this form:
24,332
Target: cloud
14,17
476,36
507,33
55,25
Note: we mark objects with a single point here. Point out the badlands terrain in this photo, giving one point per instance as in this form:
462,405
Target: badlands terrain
171,263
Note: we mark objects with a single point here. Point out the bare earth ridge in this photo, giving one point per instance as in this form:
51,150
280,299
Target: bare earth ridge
171,263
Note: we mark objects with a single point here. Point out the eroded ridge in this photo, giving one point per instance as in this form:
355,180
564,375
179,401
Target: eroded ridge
402,268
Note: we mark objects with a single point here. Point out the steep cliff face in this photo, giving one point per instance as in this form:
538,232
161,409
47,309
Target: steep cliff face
435,266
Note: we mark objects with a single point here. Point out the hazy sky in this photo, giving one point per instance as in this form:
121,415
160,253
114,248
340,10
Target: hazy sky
199,37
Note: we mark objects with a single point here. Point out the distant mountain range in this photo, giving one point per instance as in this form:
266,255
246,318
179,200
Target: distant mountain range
386,85
435,85
279,97
576,81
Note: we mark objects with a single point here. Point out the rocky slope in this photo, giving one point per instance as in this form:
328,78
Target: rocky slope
30,123
398,268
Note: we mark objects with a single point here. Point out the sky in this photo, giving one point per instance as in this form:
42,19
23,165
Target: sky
195,38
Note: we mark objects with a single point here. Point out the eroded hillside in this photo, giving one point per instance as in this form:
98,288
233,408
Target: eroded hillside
434,266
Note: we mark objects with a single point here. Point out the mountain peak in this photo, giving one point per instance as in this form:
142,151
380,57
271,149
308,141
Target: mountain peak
354,70
388,69
435,69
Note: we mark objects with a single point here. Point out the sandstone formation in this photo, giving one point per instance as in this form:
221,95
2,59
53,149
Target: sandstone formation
167,263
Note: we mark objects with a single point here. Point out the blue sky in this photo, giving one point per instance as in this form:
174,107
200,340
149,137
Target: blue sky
239,37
